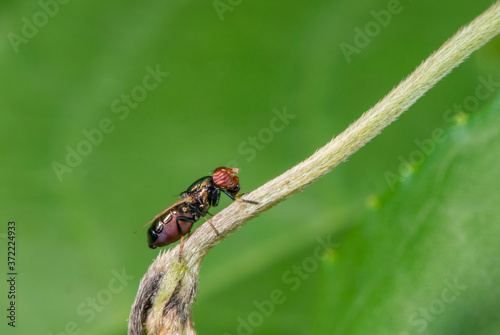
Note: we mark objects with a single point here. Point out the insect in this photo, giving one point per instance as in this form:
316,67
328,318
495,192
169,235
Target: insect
176,221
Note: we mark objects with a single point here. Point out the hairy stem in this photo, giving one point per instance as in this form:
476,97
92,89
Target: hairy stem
168,289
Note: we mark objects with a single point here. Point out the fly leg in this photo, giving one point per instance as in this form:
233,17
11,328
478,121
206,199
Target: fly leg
189,221
238,197
200,213
211,225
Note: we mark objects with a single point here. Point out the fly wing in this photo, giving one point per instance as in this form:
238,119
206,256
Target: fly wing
163,212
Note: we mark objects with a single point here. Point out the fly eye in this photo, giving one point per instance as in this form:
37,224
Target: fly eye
222,177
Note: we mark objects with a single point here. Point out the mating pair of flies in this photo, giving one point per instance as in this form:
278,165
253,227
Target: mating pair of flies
176,221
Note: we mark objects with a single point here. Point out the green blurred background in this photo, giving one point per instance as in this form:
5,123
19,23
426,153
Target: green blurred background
228,75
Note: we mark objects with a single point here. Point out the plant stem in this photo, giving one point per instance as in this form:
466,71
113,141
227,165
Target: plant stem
170,286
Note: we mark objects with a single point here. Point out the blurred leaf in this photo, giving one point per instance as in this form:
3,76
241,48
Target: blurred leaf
427,258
